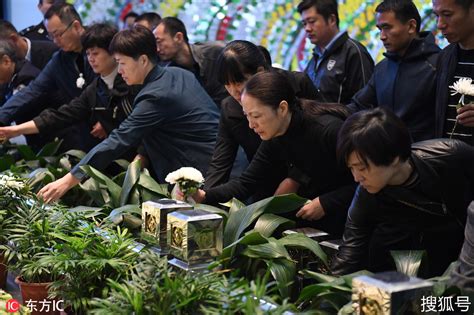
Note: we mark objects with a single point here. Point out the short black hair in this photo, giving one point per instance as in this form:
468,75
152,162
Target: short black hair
6,29
238,60
266,54
130,14
404,10
151,17
54,2
376,135
174,25
98,35
324,7
465,4
135,42
8,48
65,12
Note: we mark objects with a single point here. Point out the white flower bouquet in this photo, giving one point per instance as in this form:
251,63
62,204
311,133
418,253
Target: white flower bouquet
463,86
188,180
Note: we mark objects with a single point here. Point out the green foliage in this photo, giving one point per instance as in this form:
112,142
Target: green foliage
86,262
157,289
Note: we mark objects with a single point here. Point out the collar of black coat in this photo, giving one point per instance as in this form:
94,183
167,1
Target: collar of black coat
295,128
423,45
335,46
155,73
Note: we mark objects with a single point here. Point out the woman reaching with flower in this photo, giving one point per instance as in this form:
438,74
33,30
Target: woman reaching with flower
300,135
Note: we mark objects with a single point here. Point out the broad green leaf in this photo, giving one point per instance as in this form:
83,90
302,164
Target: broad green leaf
50,149
146,181
91,187
26,152
302,241
112,187
233,205
78,154
212,209
284,272
242,218
131,222
5,162
131,178
88,212
267,223
408,262
122,163
270,250
115,215
40,176
348,278
252,238
319,277
346,309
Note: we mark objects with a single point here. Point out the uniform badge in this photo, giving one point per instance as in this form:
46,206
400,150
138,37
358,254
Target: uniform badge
331,64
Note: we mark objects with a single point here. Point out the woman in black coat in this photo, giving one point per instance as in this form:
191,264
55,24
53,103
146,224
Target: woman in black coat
300,136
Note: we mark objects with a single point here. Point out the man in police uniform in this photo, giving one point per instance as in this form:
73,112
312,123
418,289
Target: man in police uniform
38,31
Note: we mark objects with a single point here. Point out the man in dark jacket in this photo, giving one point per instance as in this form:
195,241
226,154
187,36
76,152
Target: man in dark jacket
38,52
340,66
199,58
405,81
67,73
409,198
456,22
38,31
172,116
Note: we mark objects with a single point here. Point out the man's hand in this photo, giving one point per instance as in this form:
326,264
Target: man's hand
287,186
55,190
466,115
9,132
312,210
98,131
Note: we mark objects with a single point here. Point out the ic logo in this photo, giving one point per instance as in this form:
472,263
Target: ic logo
12,306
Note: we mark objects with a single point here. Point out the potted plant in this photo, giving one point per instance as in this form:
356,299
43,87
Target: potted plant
86,261
31,235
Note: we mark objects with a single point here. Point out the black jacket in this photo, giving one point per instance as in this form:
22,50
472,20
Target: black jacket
308,145
23,74
35,32
405,85
234,131
96,104
41,52
447,62
428,214
345,69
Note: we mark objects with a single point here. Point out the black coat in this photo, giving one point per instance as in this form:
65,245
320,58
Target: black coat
234,131
429,213
309,145
405,85
35,32
41,52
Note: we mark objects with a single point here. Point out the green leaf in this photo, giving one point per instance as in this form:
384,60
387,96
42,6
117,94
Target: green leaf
233,205
26,152
40,176
50,149
146,181
252,238
302,241
122,163
131,178
88,212
270,250
240,219
113,189
91,187
131,222
116,215
319,277
78,154
408,261
268,223
5,162
283,271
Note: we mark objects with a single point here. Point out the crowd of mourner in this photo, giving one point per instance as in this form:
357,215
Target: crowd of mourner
384,152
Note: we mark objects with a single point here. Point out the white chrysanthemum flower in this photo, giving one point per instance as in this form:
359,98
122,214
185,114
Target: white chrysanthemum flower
185,173
463,86
11,182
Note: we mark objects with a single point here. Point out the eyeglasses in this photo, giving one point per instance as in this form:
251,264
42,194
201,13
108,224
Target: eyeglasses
52,36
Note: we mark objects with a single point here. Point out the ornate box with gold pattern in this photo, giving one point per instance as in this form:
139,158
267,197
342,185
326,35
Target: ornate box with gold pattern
389,293
195,236
154,216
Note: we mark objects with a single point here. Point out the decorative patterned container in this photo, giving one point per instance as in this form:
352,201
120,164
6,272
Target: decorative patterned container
154,216
194,237
389,293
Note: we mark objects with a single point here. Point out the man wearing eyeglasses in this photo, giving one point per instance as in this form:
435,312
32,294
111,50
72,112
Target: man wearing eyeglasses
340,66
68,73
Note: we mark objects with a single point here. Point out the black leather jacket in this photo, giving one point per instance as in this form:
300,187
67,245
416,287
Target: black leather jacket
429,213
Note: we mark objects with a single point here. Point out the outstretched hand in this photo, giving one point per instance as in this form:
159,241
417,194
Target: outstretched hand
311,211
8,132
55,190
98,131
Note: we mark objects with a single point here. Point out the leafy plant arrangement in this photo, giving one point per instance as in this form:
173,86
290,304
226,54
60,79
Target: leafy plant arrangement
13,190
255,251
157,289
86,262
